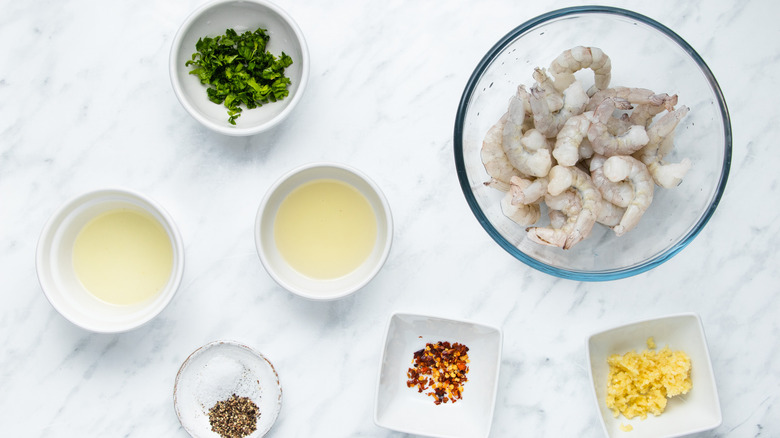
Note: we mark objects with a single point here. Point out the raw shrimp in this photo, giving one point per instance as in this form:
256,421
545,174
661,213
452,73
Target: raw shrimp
494,159
530,154
618,193
636,96
560,178
585,149
557,218
669,175
620,168
522,214
567,63
643,113
646,102
610,214
619,125
605,159
661,141
570,137
562,206
528,151
549,122
567,202
527,191
513,126
607,144
552,95
579,224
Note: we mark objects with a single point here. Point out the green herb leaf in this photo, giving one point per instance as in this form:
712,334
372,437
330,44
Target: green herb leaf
238,71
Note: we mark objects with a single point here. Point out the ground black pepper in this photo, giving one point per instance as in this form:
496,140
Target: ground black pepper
235,417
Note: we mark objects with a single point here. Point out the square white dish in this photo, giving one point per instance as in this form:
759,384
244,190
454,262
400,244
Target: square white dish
404,409
696,411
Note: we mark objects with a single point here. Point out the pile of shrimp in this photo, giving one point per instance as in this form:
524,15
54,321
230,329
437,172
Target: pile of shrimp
591,156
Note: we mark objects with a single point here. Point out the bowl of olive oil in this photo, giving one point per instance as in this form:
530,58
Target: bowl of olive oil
110,260
323,230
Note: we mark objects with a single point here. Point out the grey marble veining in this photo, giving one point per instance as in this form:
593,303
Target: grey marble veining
86,103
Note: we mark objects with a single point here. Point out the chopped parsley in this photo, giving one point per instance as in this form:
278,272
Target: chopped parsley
238,70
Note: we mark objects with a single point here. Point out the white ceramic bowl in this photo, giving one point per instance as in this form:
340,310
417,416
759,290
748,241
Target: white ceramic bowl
54,263
296,282
401,408
697,411
215,372
212,19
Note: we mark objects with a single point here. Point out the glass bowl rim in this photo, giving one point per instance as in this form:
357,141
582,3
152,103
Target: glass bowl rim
579,275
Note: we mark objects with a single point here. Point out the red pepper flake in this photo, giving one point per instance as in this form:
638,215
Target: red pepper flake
440,369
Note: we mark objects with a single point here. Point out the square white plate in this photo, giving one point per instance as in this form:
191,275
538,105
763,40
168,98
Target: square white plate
697,411
401,408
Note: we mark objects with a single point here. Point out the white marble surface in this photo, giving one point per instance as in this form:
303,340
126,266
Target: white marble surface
85,103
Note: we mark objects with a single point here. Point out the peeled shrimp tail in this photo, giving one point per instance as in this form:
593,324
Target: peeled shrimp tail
643,113
636,96
548,236
552,95
493,183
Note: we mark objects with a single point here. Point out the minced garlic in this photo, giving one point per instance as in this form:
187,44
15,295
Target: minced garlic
641,383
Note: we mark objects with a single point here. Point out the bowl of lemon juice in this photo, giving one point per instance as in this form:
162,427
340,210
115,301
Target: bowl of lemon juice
323,230
110,260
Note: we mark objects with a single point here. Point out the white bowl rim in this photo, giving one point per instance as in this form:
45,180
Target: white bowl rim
388,238
47,233
239,130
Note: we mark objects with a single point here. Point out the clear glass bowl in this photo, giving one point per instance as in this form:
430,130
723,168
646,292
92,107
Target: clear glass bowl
644,53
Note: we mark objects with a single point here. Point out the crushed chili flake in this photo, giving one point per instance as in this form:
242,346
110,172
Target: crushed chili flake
440,369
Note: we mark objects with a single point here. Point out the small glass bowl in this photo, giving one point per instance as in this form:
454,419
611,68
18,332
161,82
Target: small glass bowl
216,371
644,53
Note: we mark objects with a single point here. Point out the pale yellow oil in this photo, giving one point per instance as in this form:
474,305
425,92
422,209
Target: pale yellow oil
123,257
325,229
